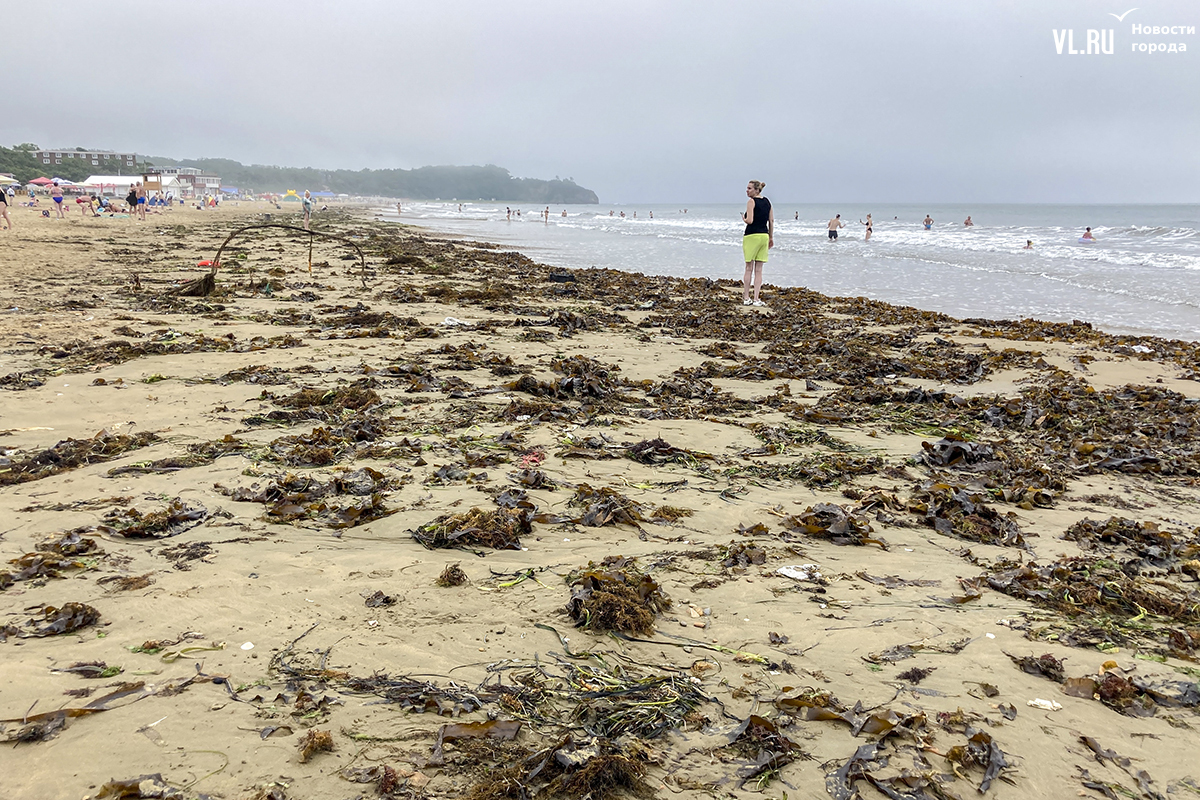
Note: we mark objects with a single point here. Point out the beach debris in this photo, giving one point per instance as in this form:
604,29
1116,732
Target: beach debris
606,506
499,529
71,454
314,741
766,750
658,451
197,455
900,652
452,575
1045,665
955,510
916,674
52,557
143,786
377,599
801,572
1044,705
173,520
833,522
71,616
506,730
291,497
615,596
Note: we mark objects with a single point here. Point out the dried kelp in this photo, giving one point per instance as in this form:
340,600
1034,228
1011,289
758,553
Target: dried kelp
292,497
956,510
173,520
606,506
615,596
73,453
499,529
835,523
54,620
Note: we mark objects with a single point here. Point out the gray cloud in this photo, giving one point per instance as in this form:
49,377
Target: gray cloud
674,100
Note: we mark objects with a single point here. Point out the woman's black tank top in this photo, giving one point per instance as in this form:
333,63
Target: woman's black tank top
762,212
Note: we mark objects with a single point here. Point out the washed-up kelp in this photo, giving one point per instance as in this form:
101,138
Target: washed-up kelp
71,454
337,400
814,469
499,529
198,455
606,506
326,445
78,355
599,769
956,510
51,558
1096,593
173,520
1150,545
658,451
293,497
835,523
53,621
765,748
615,596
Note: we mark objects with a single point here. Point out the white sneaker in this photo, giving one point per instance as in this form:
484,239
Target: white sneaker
747,302
759,303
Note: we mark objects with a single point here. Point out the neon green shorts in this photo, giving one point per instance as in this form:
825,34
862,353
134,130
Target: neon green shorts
755,247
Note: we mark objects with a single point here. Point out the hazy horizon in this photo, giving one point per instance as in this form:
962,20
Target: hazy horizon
966,103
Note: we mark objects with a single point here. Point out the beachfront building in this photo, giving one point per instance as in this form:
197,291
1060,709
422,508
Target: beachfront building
181,181
95,158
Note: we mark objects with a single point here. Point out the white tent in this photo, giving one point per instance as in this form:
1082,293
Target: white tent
113,184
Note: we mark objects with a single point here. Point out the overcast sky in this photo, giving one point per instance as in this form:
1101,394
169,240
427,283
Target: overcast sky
645,100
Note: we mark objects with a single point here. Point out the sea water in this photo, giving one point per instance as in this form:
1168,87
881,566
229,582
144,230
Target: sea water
1141,275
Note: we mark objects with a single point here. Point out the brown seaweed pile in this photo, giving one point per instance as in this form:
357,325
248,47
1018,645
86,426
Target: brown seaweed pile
615,596
71,454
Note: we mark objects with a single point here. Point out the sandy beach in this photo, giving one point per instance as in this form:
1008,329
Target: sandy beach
821,548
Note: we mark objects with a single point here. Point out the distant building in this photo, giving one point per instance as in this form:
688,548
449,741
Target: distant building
92,157
192,182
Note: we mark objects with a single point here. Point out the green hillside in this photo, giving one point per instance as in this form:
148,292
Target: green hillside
423,183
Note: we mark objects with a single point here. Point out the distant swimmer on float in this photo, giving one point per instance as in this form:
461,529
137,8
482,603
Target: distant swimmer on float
870,227
834,224
757,240
927,222
1087,236
967,222
1028,244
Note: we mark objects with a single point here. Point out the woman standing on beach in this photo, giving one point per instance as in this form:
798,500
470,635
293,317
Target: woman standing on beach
757,240
870,227
306,203
4,210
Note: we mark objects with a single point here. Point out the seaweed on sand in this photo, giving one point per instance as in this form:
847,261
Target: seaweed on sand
198,455
658,451
73,453
615,596
499,529
293,497
835,523
606,506
54,620
957,510
173,520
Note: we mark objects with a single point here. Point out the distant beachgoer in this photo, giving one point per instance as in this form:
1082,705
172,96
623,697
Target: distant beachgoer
56,195
141,201
610,213
546,215
131,200
564,212
635,215
651,214
399,208
1028,244
507,213
1088,235
797,216
307,203
4,210
967,222
834,224
757,240
927,222
622,215
870,227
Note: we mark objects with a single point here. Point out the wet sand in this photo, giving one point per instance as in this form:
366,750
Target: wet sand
733,442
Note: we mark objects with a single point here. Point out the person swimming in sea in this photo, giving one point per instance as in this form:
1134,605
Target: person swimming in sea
1028,244
833,226
1088,236
870,227
967,222
927,222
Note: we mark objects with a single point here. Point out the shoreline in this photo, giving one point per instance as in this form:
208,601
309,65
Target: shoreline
902,271
593,441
